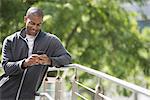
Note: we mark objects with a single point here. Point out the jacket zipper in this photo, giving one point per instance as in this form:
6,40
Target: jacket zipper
22,80
19,90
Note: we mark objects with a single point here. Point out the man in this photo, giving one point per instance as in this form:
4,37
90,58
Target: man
26,56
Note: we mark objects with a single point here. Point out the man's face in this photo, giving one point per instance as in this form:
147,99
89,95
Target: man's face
33,24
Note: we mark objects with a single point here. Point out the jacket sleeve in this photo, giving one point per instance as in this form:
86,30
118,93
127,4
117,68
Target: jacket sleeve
10,66
60,55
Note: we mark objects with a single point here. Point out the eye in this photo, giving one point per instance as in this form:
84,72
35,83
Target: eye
32,23
38,24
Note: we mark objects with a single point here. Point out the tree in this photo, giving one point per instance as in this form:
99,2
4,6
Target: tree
11,16
98,33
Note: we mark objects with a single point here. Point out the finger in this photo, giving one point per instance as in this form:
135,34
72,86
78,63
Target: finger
43,57
35,56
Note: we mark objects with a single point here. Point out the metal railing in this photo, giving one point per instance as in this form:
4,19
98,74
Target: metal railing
97,92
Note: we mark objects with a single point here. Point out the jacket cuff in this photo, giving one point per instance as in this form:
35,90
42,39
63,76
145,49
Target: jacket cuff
21,64
54,63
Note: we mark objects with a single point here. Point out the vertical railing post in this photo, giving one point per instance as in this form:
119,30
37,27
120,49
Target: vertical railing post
135,96
45,85
58,87
74,86
98,90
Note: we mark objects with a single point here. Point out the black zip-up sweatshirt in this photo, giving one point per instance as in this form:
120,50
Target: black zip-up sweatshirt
15,51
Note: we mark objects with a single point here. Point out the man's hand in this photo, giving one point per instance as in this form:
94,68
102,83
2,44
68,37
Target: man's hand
44,60
36,59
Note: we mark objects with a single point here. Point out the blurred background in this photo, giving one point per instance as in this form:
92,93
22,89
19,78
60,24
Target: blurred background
112,36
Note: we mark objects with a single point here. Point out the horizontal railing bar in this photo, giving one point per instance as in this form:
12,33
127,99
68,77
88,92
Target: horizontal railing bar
80,96
49,90
47,95
61,68
123,83
85,87
101,95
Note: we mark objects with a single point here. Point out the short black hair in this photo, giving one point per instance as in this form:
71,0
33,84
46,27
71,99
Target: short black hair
34,11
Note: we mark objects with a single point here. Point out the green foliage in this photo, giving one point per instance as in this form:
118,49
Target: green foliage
98,33
11,16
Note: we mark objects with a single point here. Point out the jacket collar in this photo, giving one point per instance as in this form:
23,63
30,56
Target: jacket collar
22,33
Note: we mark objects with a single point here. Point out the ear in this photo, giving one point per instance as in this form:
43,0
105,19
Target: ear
25,19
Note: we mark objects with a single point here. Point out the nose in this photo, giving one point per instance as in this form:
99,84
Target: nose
35,27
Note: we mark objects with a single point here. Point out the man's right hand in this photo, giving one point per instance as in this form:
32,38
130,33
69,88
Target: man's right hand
31,60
